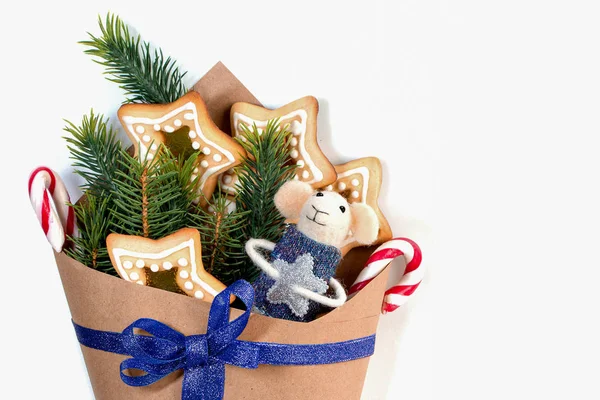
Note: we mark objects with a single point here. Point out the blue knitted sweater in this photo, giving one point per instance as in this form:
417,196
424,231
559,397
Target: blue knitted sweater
292,245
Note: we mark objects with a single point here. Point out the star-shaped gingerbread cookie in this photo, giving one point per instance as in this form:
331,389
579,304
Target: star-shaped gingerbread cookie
300,119
359,181
173,263
184,126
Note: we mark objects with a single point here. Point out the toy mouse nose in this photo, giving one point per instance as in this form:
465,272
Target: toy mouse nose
319,194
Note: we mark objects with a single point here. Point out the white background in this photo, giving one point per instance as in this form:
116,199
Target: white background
483,113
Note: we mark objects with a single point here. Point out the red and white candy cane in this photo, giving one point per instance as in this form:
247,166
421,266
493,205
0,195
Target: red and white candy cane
385,254
49,198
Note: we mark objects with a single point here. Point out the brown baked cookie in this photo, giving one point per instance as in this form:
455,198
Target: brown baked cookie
185,127
172,263
300,119
359,181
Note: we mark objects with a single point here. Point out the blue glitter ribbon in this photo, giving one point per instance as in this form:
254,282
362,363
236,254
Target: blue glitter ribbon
203,357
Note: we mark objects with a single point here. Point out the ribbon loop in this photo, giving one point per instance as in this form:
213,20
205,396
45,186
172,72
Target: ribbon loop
165,344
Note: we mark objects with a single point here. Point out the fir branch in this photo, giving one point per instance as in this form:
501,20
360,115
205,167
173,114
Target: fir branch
152,197
144,189
95,150
90,245
188,181
146,76
222,250
266,167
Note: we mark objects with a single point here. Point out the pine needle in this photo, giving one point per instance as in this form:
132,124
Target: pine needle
90,246
95,150
151,198
146,76
222,251
266,167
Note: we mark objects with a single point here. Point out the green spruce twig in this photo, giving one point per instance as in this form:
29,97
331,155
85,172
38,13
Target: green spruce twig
90,244
266,167
222,251
152,197
95,150
146,76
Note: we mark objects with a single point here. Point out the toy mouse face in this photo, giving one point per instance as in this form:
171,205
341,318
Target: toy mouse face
326,216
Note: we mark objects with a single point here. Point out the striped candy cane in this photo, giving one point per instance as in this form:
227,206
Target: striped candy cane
413,275
49,198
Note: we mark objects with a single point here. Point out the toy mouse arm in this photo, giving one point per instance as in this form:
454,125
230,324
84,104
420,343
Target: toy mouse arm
337,301
251,249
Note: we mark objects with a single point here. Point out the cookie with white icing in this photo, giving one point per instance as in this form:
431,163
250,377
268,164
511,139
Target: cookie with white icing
185,127
300,119
359,181
172,263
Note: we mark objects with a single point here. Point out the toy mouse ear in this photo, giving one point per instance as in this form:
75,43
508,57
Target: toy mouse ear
365,224
290,198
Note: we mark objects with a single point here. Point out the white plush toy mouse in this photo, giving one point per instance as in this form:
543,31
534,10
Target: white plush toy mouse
295,278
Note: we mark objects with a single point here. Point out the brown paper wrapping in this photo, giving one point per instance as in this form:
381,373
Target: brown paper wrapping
219,89
103,302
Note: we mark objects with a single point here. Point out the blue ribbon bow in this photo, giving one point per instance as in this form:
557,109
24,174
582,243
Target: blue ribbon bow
203,357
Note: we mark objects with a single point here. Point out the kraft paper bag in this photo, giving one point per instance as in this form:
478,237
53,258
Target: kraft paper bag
103,302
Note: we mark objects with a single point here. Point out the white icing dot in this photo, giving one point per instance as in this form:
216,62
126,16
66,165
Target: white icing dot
217,157
341,186
227,179
154,267
196,170
296,127
184,274
211,209
189,285
355,182
177,122
355,194
169,129
146,138
199,294
300,163
231,207
140,282
204,163
206,150
150,156
154,146
167,265
305,174
134,276
139,129
140,263
329,187
294,142
156,127
182,262
188,116
128,264
193,177
294,153
195,145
